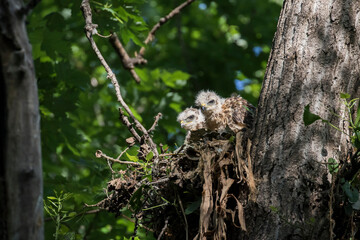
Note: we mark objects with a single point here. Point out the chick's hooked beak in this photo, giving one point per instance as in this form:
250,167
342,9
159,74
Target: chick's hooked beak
182,123
203,106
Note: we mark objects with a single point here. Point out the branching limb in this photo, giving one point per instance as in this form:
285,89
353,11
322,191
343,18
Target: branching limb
164,228
157,118
100,154
90,30
127,123
128,63
162,21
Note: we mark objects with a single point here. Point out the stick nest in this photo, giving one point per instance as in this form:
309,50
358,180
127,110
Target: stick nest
200,190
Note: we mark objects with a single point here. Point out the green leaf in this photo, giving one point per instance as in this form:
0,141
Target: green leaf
176,80
135,200
131,157
51,197
149,156
351,193
357,120
192,207
309,117
356,205
344,95
333,166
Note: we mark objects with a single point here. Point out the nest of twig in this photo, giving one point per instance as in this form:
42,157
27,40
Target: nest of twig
199,191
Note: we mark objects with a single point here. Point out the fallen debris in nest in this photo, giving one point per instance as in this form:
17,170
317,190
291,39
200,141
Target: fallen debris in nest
199,191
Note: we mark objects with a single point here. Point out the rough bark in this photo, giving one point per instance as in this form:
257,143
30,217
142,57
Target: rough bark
315,57
20,171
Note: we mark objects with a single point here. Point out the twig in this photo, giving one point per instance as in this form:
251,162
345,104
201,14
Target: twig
157,118
82,213
183,212
131,220
135,227
162,21
159,181
90,29
122,153
127,123
103,35
100,154
127,62
164,228
110,166
171,154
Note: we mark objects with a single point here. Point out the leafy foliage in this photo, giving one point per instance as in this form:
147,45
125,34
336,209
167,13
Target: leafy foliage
220,45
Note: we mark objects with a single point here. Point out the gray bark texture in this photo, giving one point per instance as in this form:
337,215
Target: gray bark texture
21,210
315,57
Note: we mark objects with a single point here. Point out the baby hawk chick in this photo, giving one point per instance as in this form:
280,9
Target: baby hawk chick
234,112
191,119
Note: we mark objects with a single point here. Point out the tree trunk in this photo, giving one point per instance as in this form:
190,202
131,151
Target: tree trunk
21,208
315,57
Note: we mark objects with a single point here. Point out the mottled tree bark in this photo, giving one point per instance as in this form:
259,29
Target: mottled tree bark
21,208
315,57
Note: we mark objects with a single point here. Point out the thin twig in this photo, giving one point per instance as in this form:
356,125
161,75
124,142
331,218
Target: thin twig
183,212
135,227
164,228
90,29
82,213
162,21
171,154
100,154
131,220
127,123
128,62
103,35
157,118
122,153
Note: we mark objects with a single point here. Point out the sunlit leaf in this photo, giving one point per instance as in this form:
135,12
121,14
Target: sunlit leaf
309,117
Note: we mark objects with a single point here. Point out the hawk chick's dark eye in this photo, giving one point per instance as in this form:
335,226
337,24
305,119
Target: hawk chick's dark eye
191,117
211,102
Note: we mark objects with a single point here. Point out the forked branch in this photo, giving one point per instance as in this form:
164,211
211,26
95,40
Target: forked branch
90,30
128,62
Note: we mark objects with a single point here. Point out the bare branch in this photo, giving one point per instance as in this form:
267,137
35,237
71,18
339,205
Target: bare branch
164,228
127,123
183,212
90,30
157,118
100,154
127,62
162,21
122,153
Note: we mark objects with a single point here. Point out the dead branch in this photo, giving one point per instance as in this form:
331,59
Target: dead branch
162,21
184,215
100,154
127,123
157,118
127,62
163,229
90,30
